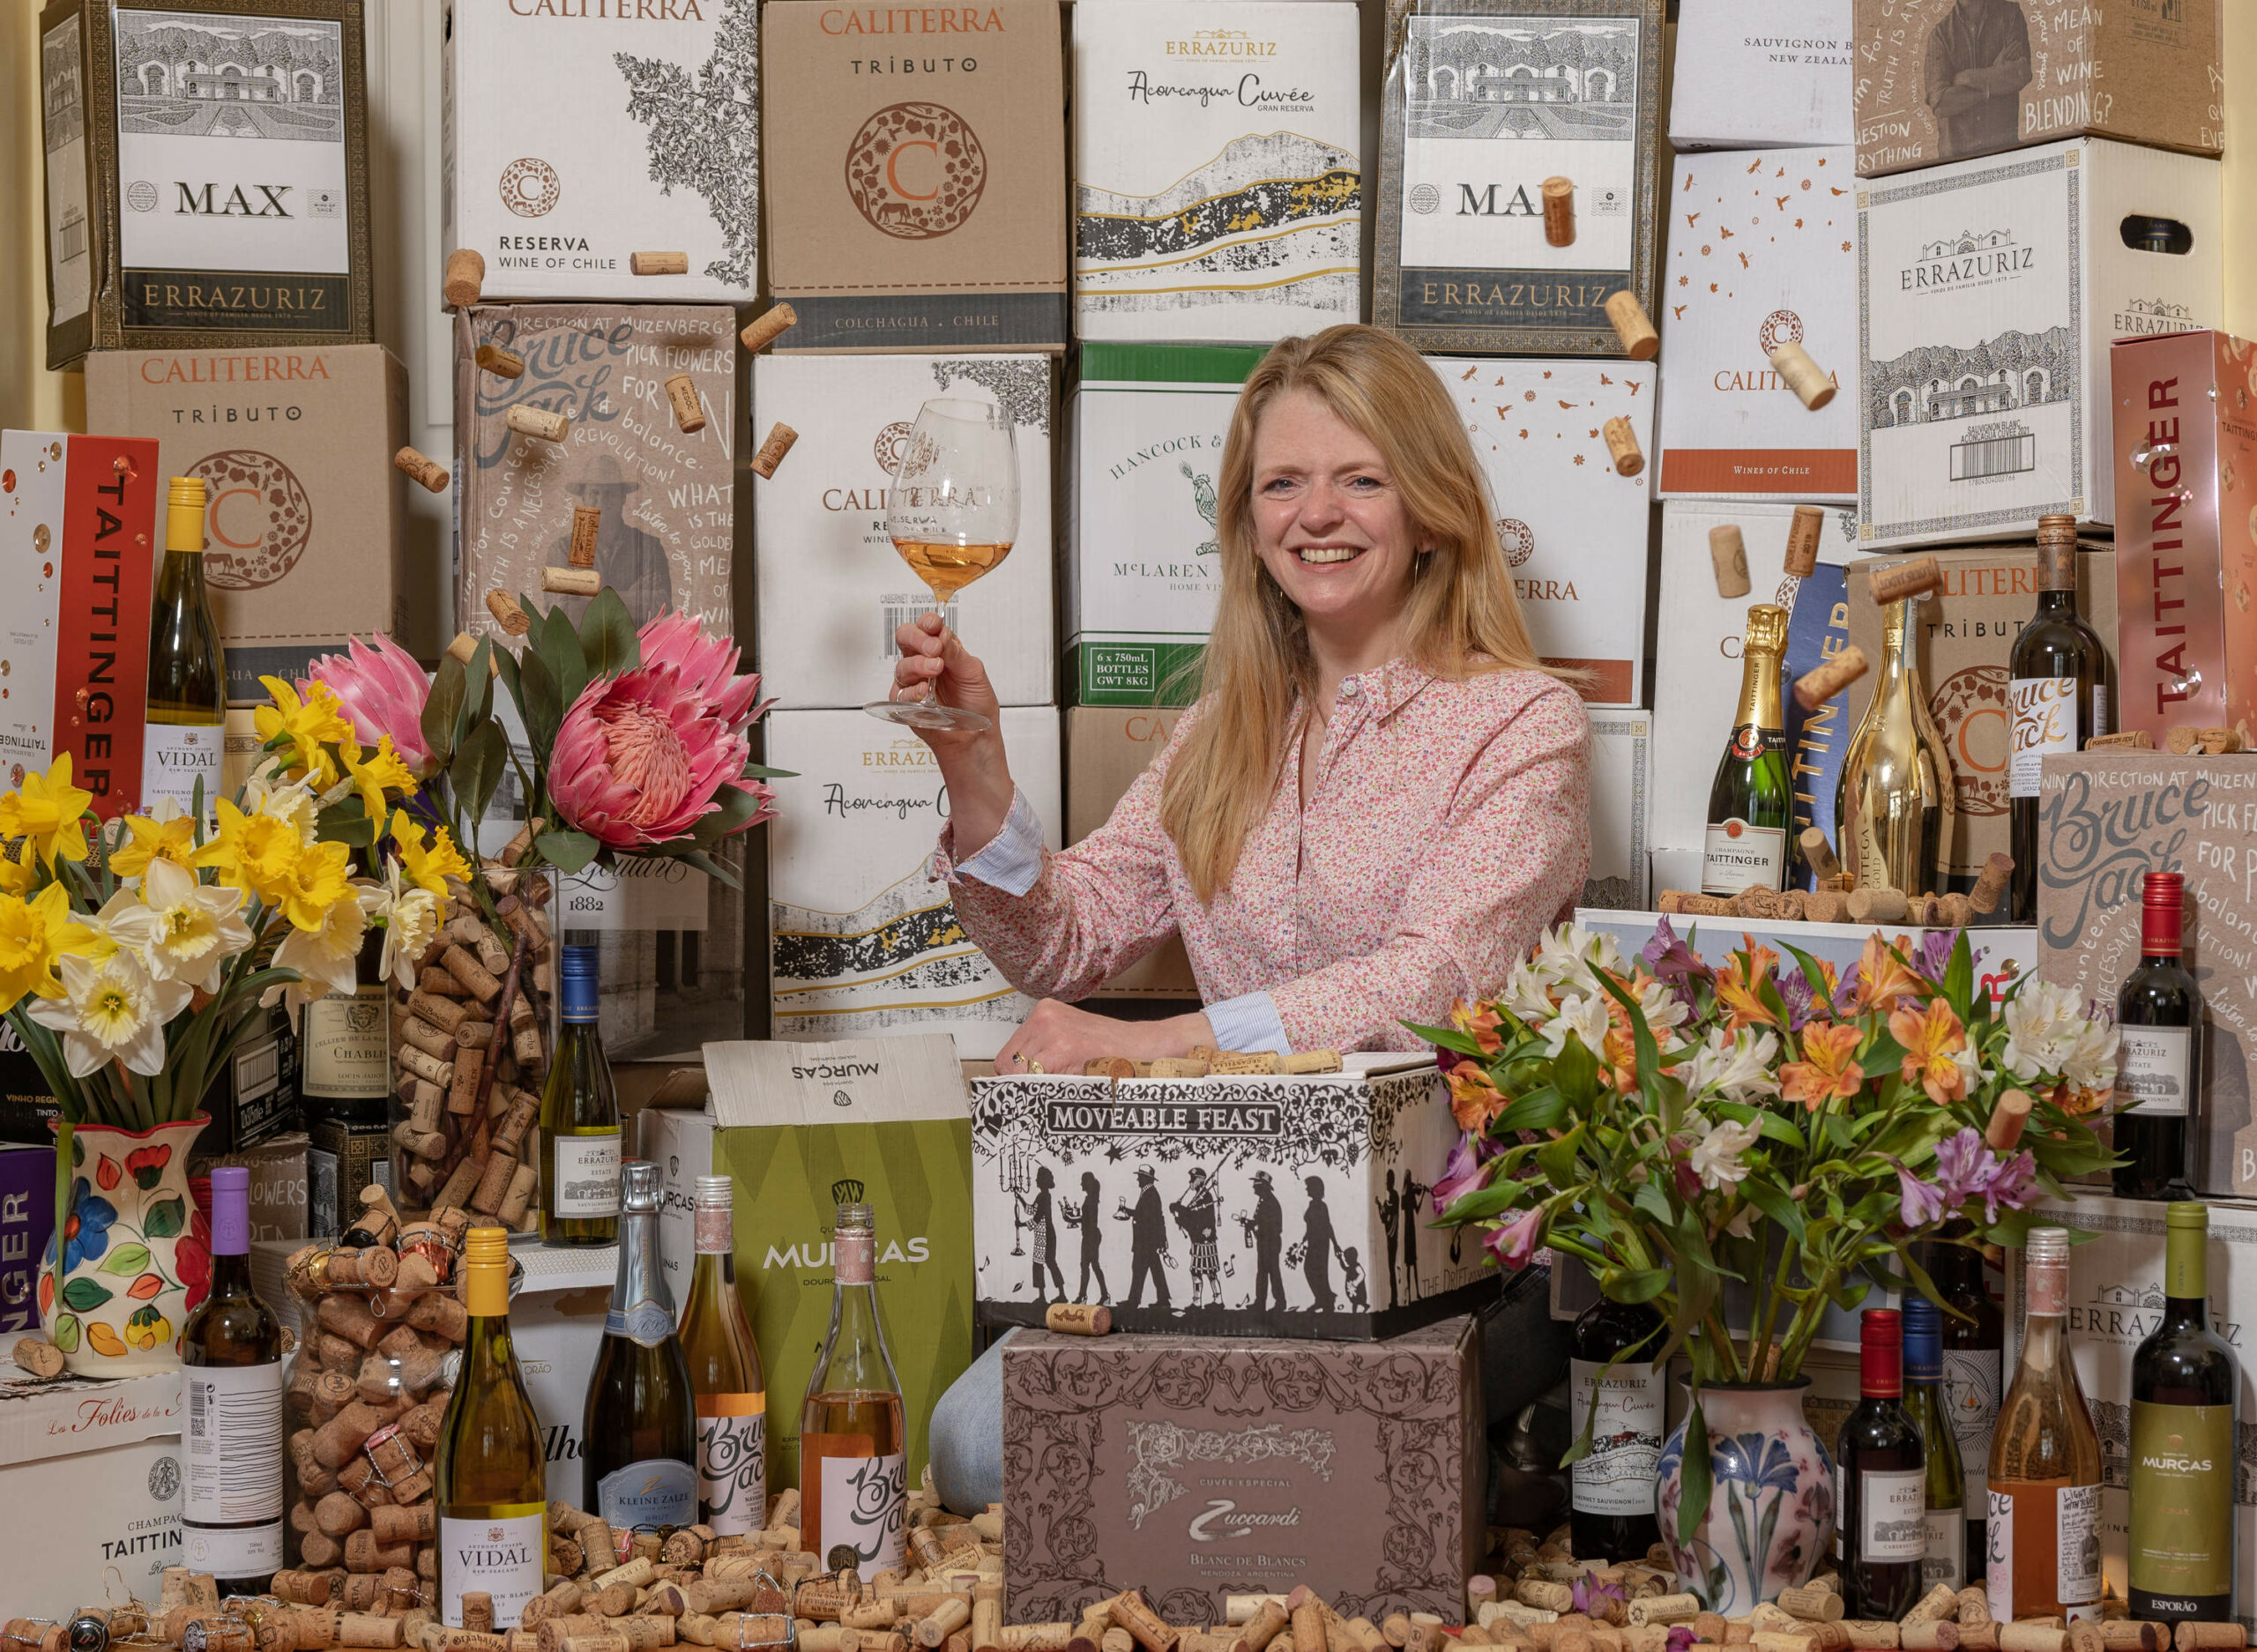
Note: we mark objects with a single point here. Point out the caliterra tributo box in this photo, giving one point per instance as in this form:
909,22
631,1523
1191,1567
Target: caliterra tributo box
1758,74
579,136
1486,101
206,176
1217,195
1989,292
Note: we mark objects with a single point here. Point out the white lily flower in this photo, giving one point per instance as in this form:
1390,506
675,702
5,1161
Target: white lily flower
1738,1065
1665,1012
2043,1021
1528,994
1571,953
326,958
2090,1063
191,929
111,1010
1716,1160
1586,1018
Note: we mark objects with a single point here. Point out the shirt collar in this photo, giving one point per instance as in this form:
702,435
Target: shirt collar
1392,685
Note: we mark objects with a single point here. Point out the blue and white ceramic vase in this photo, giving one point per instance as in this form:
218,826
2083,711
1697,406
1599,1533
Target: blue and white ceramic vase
1770,1516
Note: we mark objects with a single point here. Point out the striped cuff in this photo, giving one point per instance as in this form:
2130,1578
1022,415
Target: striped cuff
1248,1022
1012,860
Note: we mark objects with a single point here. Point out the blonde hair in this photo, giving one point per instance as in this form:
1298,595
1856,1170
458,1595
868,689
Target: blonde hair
1462,618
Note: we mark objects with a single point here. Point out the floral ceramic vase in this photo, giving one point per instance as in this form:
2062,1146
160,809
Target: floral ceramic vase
1770,1516
130,1256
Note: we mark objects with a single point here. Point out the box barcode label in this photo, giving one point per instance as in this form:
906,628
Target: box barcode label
2000,456
233,1443
896,612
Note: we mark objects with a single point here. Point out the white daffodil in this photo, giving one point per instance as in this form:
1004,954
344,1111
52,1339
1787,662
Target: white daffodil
2043,1025
1716,1161
410,915
187,930
1585,1018
111,1010
1737,1064
287,800
325,958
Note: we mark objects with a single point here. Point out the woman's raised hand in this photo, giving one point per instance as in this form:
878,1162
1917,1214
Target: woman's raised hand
933,658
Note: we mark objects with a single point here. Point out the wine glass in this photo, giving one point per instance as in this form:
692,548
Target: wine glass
952,513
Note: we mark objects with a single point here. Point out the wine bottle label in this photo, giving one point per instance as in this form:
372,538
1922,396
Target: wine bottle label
233,1445
2045,719
657,1491
347,1044
1998,1559
1971,1380
1616,1477
1738,856
733,1460
2156,1062
586,1169
1945,1559
2076,1537
647,1320
2182,1505
500,1552
175,756
234,1550
1892,1514
863,1502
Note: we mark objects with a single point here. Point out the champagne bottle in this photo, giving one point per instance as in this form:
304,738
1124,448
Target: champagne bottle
1945,1558
187,732
1611,1485
1974,1358
639,1437
854,1446
1880,1532
231,1352
1751,802
490,1479
345,1048
2044,1474
1893,804
2159,1020
580,1118
725,1373
2059,690
2185,1383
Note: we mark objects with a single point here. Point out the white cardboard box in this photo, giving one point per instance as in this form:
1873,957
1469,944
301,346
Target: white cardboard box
1205,209
1756,74
2002,954
832,588
1574,529
1761,253
863,939
1621,763
570,145
1989,293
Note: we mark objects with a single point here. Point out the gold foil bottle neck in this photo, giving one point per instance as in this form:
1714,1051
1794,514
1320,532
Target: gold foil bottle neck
2057,565
1767,630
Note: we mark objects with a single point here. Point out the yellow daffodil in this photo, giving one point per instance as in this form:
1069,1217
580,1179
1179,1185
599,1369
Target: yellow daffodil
319,879
35,935
48,812
316,720
430,867
166,833
18,871
255,853
374,772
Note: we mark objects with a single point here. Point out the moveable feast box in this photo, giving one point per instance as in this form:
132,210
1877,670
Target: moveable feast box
1759,74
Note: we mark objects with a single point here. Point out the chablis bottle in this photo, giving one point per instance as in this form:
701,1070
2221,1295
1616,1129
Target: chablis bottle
1881,1465
1751,802
639,1435
231,1352
187,732
490,1479
854,1446
1945,1558
2045,1475
1893,804
2059,690
2185,1383
1611,1485
580,1118
2159,1020
725,1373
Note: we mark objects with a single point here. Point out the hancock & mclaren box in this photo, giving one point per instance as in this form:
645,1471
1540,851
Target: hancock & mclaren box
1486,100
667,498
206,176
833,590
1621,764
1196,1468
863,939
1233,1207
916,187
1146,565
1763,252
1107,747
1760,74
1988,294
1218,192
578,136
1940,80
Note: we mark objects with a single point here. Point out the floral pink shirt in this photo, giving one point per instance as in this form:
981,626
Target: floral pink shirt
1449,822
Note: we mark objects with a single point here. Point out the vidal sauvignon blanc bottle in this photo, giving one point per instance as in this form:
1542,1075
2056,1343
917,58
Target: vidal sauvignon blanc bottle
490,1479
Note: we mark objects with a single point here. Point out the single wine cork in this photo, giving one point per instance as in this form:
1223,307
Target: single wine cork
1803,376
478,1612
2008,1118
528,421
688,412
1108,1066
1868,1635
1668,1609
571,582
1991,887
432,474
2128,1634
1874,904
375,1265
1560,211
943,1621
1270,1620
1622,446
2125,739
1550,1596
2218,742
1692,904
1178,1067
1974,1606
1817,1605
2084,1636
366,1629
1804,533
1728,553
1929,1637
1633,326
1898,581
587,523
658,262
1244,1063
1937,1603
1152,1631
2182,740
1951,911
1078,1318
1818,853
780,437
464,281
1308,1629
492,358
512,619
36,1356
1814,689
767,326
2033,1637
34,1634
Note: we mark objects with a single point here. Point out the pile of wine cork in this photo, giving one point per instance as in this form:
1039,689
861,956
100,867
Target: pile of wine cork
1205,1062
1838,900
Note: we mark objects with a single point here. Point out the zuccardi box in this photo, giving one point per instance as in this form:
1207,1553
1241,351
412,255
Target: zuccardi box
1486,102
667,498
206,176
1988,294
1756,74
304,511
1233,1207
1217,193
916,187
642,138
864,940
1195,1470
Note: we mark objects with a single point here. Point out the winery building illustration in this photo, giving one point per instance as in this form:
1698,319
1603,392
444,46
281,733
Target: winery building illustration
184,74
1477,78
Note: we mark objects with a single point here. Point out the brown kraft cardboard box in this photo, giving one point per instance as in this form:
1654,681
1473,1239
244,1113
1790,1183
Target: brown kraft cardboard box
1106,749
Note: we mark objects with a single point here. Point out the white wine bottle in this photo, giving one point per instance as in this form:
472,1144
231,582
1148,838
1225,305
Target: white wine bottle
231,1352
580,1118
725,1373
853,1446
639,1455
188,669
490,1479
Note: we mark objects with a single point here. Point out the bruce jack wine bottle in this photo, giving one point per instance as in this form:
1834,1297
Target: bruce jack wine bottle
2159,1020
231,1354
725,1372
2060,689
1611,1485
1751,801
2185,1383
1881,1465
490,1479
2045,1475
854,1446
187,731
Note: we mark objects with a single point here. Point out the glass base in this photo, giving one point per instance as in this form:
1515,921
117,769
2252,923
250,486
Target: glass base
926,714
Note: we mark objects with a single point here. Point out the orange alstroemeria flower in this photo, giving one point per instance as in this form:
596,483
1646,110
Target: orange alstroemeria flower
1881,979
1741,982
1473,1099
1484,1023
1826,1070
1929,1038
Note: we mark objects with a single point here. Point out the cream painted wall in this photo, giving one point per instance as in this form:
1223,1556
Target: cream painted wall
31,398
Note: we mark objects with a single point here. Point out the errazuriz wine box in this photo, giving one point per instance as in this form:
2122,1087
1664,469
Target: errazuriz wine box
78,525
305,513
2186,440
1761,74
206,176
833,590
667,498
1621,804
1486,102
863,939
1761,253
1218,189
916,189
1144,570
1575,528
637,135
1227,1206
1196,1468
1107,747
1942,80
1988,294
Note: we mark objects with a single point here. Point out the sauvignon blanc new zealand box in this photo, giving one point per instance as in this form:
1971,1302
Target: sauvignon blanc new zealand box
1759,74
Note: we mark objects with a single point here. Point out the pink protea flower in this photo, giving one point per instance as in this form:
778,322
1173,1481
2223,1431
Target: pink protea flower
383,690
641,757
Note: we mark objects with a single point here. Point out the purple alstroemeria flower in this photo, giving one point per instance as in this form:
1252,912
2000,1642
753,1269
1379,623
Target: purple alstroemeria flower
1589,1592
1794,991
1464,1170
1515,1242
1964,1165
1669,959
2011,1185
1923,1201
1932,956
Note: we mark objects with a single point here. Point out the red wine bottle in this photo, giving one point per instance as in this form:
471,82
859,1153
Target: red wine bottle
1611,1485
1880,1482
2159,1017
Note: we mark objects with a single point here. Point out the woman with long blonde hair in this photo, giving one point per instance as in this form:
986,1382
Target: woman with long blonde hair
1381,797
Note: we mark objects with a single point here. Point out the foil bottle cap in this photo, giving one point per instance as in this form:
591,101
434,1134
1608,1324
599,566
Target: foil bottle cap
1881,1349
2162,898
230,1211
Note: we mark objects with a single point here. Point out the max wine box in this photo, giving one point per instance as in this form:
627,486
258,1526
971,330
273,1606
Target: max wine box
667,498
1217,193
1197,1469
1486,102
1988,293
643,137
1761,74
167,226
916,176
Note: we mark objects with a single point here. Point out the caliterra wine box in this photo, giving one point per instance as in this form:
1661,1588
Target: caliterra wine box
581,140
916,189
1106,749
1989,292
206,176
1196,1468
1218,192
1487,102
863,939
833,590
666,497
1761,74
1761,253
1231,1207
1621,764
1942,80
304,514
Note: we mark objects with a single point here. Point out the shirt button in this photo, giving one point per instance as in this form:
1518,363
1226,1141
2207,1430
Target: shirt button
1352,688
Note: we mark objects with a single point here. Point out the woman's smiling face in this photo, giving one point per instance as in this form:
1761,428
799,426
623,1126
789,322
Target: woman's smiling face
1328,523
